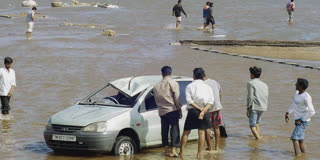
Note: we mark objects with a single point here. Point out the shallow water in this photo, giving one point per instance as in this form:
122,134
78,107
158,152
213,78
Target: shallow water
61,64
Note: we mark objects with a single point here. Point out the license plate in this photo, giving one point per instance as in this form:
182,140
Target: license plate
69,138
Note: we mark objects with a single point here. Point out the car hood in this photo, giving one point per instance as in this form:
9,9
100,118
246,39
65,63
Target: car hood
83,115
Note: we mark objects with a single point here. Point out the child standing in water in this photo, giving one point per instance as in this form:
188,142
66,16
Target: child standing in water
302,109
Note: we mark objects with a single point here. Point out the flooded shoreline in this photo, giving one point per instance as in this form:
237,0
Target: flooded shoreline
62,64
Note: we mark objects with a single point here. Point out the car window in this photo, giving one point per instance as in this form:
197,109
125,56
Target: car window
183,85
149,103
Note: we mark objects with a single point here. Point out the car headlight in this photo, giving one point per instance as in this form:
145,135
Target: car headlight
96,127
49,126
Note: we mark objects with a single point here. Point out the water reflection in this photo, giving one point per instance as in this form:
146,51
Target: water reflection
5,127
6,140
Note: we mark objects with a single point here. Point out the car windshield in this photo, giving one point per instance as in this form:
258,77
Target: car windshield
109,96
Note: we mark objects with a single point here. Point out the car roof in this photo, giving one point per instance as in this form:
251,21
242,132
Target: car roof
131,86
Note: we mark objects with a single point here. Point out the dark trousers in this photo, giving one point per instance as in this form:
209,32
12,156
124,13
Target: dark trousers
5,107
170,121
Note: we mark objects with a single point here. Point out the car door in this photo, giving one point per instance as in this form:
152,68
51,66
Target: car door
150,121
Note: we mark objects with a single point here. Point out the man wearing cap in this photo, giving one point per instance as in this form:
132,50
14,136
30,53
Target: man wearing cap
176,11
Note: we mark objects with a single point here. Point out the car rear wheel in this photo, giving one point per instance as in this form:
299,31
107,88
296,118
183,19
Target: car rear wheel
125,146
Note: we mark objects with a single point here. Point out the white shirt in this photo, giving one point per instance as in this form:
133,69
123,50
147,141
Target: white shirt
30,14
7,79
302,107
199,93
216,89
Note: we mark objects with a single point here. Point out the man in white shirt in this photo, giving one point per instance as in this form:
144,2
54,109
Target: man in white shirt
214,112
302,109
30,19
7,85
199,98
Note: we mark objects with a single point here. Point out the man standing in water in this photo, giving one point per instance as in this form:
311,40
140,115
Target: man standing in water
204,15
210,17
167,97
214,112
176,11
257,100
302,109
7,85
290,8
30,20
199,98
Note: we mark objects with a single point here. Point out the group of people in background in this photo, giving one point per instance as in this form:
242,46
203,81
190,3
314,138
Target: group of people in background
203,97
208,15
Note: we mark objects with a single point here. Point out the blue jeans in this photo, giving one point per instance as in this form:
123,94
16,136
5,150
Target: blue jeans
254,118
298,132
170,122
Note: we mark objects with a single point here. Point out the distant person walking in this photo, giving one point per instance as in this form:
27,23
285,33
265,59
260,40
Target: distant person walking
214,112
167,97
7,85
199,98
302,109
204,14
291,6
30,19
176,11
210,17
257,100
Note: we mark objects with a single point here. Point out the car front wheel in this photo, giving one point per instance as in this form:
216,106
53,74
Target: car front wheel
125,146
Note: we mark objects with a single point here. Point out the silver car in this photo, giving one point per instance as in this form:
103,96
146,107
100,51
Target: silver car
121,117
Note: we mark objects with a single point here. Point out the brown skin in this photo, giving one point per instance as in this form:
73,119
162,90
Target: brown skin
201,132
297,144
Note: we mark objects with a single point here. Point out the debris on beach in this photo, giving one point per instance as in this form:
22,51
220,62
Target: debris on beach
76,3
83,25
29,3
108,32
22,15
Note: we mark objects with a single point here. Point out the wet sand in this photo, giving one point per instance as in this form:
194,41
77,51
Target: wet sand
61,64
295,53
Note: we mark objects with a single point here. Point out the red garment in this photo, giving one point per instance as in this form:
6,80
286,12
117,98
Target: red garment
216,118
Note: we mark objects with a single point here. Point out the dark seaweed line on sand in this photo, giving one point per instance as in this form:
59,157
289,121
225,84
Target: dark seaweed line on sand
256,58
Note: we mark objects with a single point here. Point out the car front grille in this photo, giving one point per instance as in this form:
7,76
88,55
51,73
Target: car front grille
66,129
66,145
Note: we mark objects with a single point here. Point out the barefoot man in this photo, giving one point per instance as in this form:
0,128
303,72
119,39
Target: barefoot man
30,20
257,100
7,85
176,11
